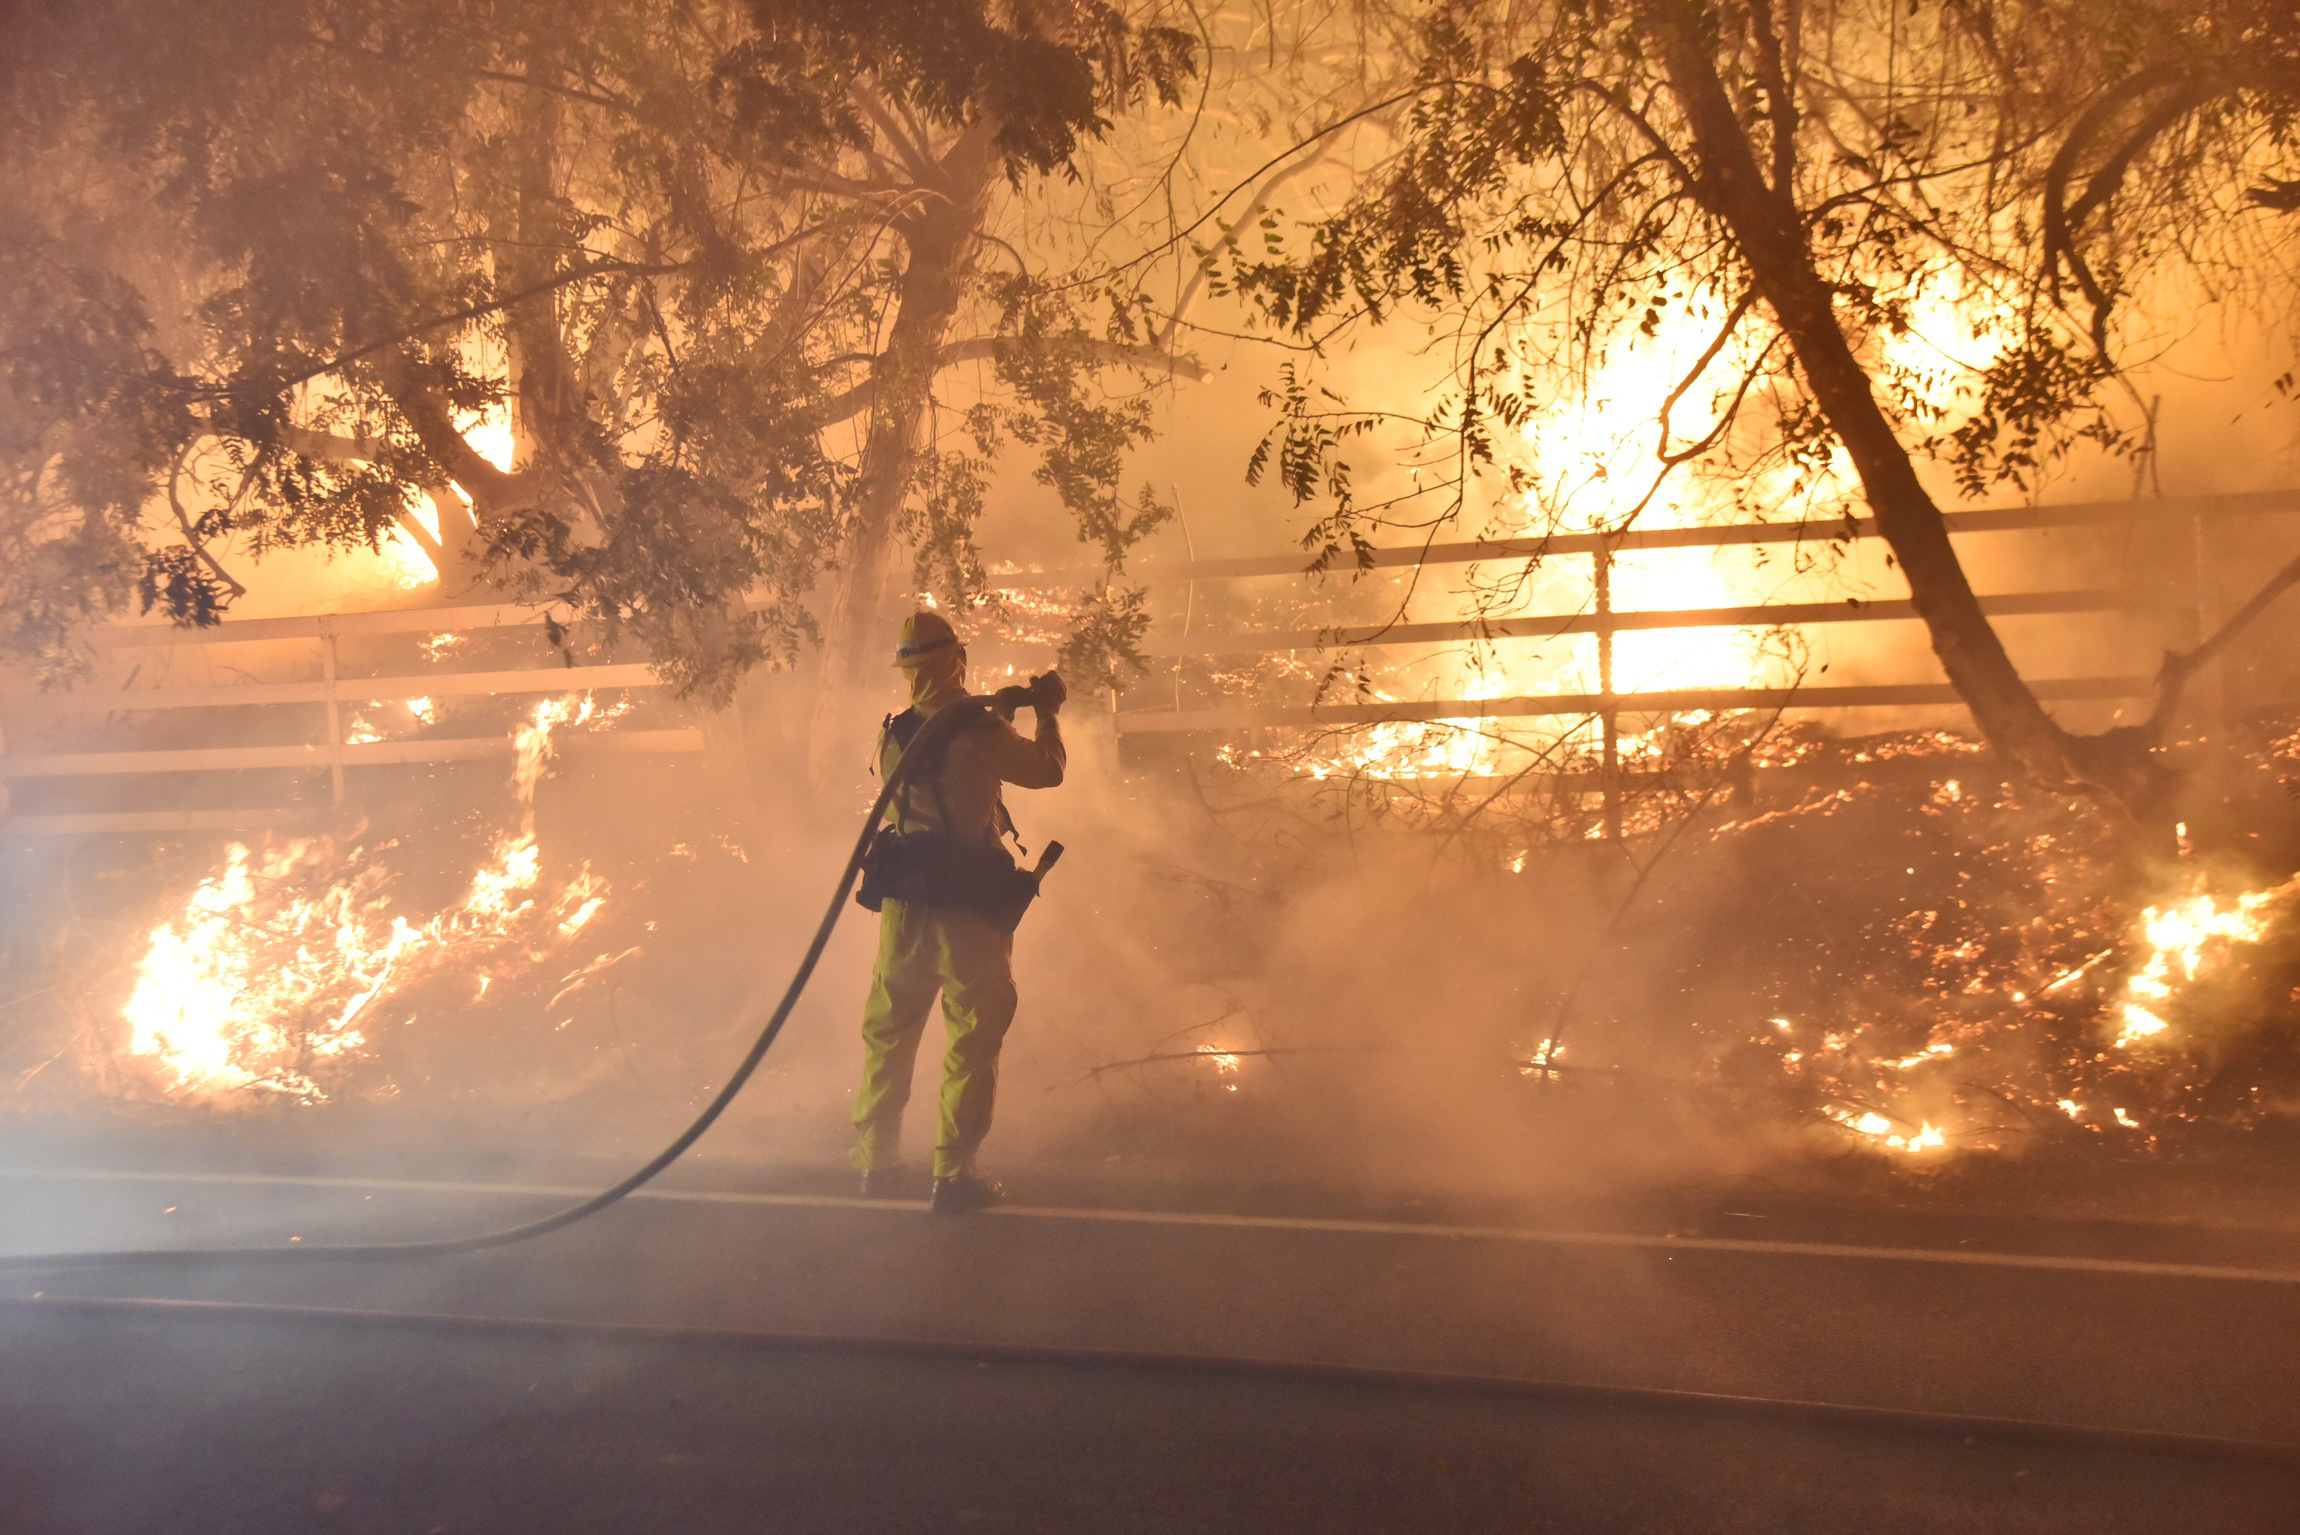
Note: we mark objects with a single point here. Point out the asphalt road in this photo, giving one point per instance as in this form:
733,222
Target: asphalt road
133,1421
246,1426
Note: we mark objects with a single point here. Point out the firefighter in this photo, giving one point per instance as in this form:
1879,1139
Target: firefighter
947,938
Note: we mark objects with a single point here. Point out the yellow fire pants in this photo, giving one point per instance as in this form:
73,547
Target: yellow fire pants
968,959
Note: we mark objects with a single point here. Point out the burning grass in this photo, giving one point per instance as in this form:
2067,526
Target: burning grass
1875,939
1934,962
272,978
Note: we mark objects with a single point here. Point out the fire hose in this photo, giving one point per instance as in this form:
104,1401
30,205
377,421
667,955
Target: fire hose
922,749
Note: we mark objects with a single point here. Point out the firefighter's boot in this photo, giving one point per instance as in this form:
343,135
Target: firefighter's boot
965,1195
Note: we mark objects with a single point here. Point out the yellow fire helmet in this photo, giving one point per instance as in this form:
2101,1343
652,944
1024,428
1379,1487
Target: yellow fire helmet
923,634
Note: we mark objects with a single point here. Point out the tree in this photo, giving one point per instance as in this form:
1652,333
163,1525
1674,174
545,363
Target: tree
1803,176
702,263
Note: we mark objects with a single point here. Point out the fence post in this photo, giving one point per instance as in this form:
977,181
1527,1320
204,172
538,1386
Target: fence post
328,674
1601,579
2204,593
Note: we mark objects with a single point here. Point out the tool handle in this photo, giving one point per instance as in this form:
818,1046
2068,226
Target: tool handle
1047,859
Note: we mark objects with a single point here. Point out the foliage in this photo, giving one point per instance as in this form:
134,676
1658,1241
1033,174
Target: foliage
81,442
1857,236
1544,183
1108,643
289,259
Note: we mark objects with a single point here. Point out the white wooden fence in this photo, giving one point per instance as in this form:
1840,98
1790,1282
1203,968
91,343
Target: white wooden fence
331,753
2185,605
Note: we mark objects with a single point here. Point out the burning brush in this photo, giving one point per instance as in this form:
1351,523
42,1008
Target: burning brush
281,964
1992,973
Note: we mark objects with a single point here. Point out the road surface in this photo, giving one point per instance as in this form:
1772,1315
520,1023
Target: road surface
978,1373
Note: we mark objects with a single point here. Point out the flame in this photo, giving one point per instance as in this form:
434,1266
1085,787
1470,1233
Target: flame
1592,457
1591,454
491,438
2106,1009
2184,942
406,565
1595,451
1887,1132
267,975
1394,752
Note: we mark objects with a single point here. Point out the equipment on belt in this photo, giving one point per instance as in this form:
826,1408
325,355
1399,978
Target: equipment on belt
960,715
931,869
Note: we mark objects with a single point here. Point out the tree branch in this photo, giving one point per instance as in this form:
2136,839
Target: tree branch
1252,211
1150,359
1725,333
1780,104
414,528
1216,1056
469,312
915,155
852,402
447,447
594,98
197,544
1774,245
328,446
2180,666
2061,219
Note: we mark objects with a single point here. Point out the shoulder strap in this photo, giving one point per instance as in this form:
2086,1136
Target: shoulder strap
902,729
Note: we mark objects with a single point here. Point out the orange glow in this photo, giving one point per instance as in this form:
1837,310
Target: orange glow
277,963
2185,941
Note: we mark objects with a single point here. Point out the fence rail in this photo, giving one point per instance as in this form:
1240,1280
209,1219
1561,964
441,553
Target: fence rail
2014,519
1903,695
562,679
211,759
331,689
316,626
1603,621
1549,626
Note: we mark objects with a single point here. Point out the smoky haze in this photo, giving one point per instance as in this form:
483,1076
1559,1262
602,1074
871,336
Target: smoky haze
1591,986
1235,975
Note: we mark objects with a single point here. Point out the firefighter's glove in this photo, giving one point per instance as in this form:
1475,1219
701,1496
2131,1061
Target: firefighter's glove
1044,692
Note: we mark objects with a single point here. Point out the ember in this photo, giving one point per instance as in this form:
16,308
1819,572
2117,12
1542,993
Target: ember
1224,1062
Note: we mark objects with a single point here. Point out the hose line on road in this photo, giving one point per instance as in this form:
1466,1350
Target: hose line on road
930,736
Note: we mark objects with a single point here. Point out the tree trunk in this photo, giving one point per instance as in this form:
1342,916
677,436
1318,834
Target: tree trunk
940,240
1765,223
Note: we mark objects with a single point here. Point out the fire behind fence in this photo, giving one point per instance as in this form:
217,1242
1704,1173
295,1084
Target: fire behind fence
2110,1005
373,720
1614,724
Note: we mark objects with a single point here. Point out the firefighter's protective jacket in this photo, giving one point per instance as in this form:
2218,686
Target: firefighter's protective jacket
975,765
